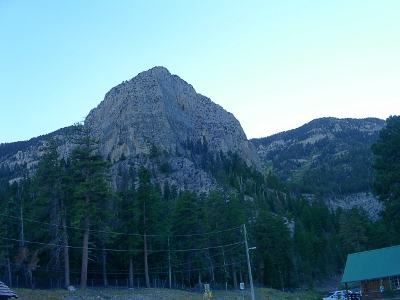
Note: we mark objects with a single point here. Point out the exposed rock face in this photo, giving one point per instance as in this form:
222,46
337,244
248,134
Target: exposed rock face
364,200
154,110
27,160
160,109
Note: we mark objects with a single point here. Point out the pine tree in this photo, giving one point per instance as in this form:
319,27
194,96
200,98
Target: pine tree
148,208
352,231
274,243
387,179
50,203
223,212
9,230
128,217
186,227
89,176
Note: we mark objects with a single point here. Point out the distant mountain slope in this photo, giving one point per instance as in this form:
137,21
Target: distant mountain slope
19,159
327,156
9,149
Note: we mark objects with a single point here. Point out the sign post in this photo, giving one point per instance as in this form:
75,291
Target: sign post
242,288
207,292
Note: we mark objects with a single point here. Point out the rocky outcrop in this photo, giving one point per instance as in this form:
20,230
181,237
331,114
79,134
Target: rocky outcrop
155,110
158,109
367,201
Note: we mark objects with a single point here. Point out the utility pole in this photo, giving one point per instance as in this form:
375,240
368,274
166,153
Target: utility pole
22,249
22,235
248,262
169,265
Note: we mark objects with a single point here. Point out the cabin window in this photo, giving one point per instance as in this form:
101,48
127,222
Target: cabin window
394,282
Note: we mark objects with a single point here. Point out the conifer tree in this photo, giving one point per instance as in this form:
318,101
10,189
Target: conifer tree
352,231
275,245
387,180
148,208
223,212
187,228
9,229
128,217
50,203
89,176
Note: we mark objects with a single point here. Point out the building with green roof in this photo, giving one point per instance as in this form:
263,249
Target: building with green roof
375,270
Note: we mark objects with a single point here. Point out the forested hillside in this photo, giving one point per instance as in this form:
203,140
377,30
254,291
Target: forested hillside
68,224
160,184
327,156
9,149
16,158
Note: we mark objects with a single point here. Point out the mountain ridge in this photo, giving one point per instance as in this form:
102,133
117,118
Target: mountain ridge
158,120
329,157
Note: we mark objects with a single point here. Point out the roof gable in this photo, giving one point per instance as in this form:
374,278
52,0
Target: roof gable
5,291
372,264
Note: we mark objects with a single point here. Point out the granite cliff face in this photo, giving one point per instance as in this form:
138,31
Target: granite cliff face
155,112
158,109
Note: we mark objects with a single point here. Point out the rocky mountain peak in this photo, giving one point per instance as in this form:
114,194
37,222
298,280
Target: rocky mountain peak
159,109
154,112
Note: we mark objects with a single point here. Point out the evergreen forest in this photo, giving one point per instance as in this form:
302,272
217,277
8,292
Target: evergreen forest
67,224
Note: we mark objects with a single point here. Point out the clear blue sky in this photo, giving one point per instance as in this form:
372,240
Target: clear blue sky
275,65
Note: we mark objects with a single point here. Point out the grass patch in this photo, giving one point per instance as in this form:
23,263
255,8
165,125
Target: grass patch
165,294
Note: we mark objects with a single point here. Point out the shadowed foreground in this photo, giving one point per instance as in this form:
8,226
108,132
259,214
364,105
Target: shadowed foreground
164,294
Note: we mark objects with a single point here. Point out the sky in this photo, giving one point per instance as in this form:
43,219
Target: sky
275,65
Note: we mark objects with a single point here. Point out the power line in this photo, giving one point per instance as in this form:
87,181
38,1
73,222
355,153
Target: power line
181,266
139,271
127,234
121,250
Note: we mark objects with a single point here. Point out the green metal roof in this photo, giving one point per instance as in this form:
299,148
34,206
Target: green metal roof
372,264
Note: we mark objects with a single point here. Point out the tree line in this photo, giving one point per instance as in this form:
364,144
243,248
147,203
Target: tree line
67,221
